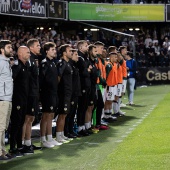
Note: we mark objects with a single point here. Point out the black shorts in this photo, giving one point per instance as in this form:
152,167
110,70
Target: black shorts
64,105
18,113
33,106
92,97
49,104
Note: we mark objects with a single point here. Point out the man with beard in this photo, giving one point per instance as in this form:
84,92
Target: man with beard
64,91
6,91
76,92
84,71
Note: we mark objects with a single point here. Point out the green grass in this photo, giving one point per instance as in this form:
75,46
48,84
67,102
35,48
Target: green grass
148,146
136,141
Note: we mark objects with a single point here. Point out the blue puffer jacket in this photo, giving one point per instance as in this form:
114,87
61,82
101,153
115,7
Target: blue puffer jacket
6,82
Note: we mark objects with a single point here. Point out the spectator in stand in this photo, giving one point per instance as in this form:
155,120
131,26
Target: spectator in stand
166,43
164,56
161,40
118,42
150,52
147,40
141,59
157,52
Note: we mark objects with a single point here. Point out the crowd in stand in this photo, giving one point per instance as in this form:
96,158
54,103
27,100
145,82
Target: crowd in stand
68,77
152,47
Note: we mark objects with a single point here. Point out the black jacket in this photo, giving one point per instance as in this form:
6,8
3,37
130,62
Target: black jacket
83,64
21,82
48,78
76,86
65,74
33,76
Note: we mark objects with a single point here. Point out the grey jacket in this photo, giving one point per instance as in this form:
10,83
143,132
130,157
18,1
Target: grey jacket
6,82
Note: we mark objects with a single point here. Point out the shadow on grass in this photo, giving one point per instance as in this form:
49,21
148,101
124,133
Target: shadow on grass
51,158
137,105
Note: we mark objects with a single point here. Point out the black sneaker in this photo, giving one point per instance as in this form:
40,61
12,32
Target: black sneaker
83,133
5,158
26,150
15,153
10,156
116,114
89,131
71,135
36,147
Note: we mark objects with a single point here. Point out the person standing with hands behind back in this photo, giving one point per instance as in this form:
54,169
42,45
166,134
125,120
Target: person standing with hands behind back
131,69
84,70
6,88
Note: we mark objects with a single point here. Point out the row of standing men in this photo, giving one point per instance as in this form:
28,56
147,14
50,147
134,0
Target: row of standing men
81,82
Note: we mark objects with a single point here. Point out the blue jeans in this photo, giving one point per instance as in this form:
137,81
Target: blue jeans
130,89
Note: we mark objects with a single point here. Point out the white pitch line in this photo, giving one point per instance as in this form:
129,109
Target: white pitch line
118,141
124,136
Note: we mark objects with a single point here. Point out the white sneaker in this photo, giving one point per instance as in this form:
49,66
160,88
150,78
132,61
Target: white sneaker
56,143
63,141
122,105
66,138
113,117
122,113
46,144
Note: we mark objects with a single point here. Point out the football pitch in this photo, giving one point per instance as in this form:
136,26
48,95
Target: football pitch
138,141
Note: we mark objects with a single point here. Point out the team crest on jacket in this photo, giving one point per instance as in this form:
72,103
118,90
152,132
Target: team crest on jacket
18,107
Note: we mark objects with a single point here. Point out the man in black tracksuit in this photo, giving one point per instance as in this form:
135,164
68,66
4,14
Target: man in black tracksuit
33,101
84,70
76,92
48,80
64,91
92,52
19,102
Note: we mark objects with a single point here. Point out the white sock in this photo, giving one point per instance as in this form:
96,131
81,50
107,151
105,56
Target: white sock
43,138
83,127
119,102
107,111
28,142
80,128
115,107
86,125
62,134
23,142
90,124
49,138
111,111
58,136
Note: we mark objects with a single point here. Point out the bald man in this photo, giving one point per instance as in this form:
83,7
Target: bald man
19,103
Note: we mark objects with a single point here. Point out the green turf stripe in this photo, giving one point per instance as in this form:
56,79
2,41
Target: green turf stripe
125,150
148,146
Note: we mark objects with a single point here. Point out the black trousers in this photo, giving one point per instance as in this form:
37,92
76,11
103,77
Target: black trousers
99,107
82,107
69,121
17,121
